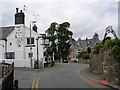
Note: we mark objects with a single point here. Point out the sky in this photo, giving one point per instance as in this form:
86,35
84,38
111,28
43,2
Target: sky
86,17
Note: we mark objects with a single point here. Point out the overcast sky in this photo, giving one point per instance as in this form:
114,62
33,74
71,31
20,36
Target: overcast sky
85,16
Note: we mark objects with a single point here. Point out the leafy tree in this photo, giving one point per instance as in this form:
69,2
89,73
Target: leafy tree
63,39
51,30
60,33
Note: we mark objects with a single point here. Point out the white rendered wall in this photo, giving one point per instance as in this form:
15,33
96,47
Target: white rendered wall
21,53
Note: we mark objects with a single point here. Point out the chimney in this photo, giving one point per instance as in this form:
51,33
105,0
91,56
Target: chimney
20,11
35,28
19,17
16,10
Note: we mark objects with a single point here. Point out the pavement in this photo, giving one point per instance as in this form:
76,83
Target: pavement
96,78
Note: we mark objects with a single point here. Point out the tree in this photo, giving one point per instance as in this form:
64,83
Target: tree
64,36
51,30
61,34
51,33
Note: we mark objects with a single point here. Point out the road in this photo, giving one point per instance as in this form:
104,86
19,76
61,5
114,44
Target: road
61,76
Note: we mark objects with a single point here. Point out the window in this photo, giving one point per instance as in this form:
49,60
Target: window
30,55
32,40
10,55
45,59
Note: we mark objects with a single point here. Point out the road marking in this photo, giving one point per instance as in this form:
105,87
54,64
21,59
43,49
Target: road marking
96,85
35,83
81,77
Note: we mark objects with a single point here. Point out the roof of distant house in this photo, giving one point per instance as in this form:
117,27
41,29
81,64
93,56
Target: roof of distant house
74,42
83,43
5,31
91,42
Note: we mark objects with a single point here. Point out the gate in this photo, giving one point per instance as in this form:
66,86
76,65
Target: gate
7,76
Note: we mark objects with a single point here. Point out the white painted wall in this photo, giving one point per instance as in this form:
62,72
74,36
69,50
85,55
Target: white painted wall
21,53
14,47
34,49
18,62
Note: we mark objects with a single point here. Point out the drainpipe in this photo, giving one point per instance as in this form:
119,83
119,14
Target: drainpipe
37,55
5,48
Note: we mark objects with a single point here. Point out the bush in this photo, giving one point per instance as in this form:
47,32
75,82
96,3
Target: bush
97,48
58,55
114,46
109,44
115,51
84,55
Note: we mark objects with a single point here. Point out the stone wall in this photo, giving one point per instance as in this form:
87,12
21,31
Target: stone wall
103,63
83,61
110,68
96,62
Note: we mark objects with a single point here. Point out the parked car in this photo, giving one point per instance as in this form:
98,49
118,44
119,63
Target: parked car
65,61
74,60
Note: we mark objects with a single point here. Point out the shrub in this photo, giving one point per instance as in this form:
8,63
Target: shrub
115,51
84,55
114,46
109,44
97,48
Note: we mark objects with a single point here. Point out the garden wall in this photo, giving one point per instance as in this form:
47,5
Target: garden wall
103,63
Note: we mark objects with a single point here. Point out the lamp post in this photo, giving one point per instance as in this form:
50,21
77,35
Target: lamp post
30,44
37,52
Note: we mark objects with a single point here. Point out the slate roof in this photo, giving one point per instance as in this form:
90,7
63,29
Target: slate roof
83,43
92,43
5,31
73,42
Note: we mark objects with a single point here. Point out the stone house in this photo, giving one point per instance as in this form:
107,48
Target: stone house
81,45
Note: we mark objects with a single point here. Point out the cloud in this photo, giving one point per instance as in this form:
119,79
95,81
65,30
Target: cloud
85,16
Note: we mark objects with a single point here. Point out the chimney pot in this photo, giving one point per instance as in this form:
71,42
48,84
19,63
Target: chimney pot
16,10
20,11
35,28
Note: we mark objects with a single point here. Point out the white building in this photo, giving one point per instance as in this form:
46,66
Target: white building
15,42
